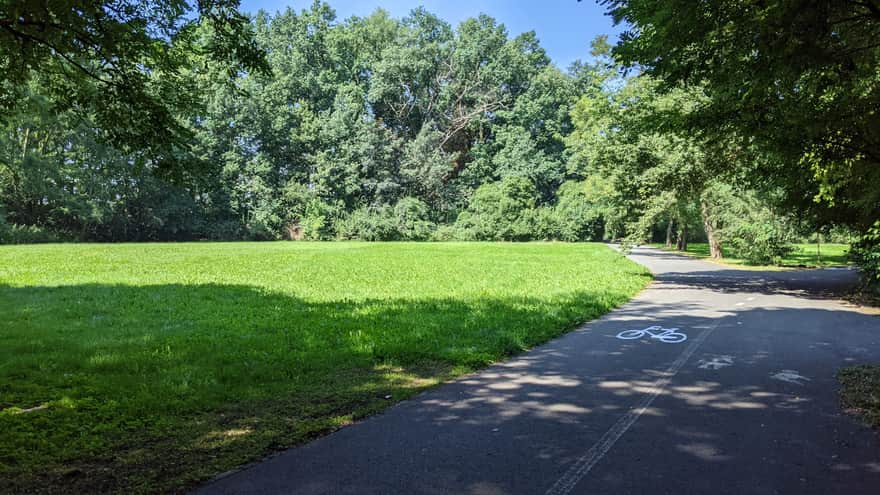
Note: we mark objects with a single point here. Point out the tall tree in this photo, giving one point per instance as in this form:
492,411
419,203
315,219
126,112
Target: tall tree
798,77
119,62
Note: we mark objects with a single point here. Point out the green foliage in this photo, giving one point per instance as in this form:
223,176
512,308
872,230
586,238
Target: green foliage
760,242
369,224
378,128
800,255
408,220
539,224
211,355
760,239
519,156
446,233
320,220
26,234
580,213
425,168
794,79
745,222
121,63
499,211
351,118
866,252
413,219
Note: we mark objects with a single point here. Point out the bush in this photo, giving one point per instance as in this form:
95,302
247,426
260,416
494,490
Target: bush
321,219
761,242
866,253
221,230
4,228
374,223
446,233
406,221
577,221
498,211
26,234
539,224
412,218
753,231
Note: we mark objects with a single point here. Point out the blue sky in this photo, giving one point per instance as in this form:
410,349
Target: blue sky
565,27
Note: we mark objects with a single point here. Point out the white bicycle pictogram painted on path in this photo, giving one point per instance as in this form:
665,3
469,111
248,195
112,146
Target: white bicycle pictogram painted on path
665,335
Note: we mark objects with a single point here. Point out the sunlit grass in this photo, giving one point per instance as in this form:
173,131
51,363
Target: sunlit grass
147,367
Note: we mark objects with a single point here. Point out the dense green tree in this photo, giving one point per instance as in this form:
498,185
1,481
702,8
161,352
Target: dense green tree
359,168
121,62
500,211
797,78
374,128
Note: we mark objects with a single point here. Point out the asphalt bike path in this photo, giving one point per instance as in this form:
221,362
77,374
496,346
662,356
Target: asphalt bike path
745,403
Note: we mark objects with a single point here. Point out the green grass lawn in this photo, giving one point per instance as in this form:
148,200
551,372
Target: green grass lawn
148,367
803,255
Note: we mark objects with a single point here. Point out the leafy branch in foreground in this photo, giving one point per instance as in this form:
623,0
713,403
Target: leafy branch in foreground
111,60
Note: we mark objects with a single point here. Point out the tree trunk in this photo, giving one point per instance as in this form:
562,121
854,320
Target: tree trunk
24,146
682,242
669,233
715,250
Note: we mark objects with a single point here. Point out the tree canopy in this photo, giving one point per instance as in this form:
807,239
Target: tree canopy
120,62
798,77
745,127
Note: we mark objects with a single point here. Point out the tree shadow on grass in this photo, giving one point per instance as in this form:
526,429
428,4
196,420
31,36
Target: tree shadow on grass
148,388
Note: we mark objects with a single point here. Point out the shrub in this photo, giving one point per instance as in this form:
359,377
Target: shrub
761,242
412,218
373,223
497,211
578,216
748,227
4,228
445,233
866,253
221,230
320,220
26,234
536,224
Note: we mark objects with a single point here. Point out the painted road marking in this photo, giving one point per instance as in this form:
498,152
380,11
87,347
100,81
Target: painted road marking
665,335
790,376
585,463
716,363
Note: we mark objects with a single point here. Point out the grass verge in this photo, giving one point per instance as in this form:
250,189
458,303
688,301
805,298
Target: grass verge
803,255
145,368
860,392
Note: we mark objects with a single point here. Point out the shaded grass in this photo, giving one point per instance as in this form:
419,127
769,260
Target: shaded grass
149,367
860,392
804,255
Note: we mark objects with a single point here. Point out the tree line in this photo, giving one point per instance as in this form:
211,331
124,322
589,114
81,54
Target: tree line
725,125
368,128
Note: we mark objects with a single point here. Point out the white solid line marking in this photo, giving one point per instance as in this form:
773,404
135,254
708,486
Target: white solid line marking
739,304
585,463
